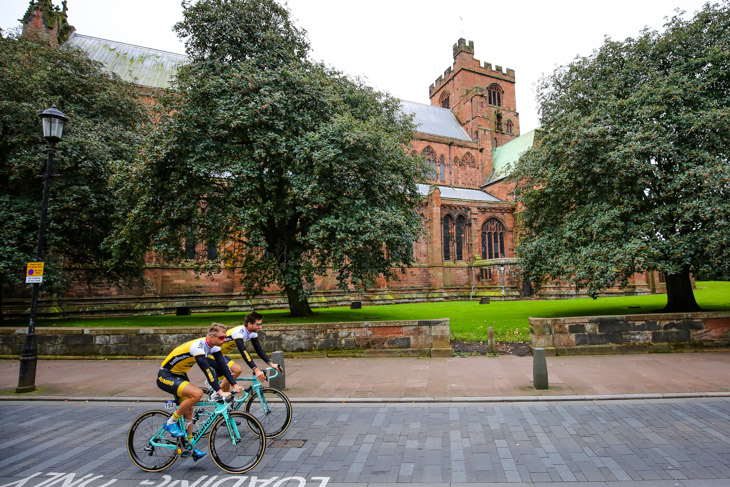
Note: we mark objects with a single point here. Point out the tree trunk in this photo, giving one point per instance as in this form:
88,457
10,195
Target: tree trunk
680,297
298,304
294,288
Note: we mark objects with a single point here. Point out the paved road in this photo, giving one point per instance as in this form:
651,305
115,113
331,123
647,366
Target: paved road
668,442
408,379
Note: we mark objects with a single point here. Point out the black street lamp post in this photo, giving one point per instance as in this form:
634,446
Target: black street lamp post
53,121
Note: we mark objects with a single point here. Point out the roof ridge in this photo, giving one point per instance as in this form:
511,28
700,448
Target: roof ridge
76,34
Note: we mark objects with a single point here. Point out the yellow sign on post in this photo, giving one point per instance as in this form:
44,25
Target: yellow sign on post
34,272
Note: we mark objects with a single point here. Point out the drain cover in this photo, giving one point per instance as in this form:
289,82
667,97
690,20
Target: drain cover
286,444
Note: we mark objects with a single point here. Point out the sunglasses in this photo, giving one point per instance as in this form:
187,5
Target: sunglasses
220,336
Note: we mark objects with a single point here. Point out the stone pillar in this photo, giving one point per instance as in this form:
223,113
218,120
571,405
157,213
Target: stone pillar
278,382
435,249
476,241
539,369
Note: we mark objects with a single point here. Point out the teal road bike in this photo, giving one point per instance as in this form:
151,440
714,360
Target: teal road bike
270,406
236,439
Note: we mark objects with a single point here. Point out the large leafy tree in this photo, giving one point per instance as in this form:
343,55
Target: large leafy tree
297,167
102,135
631,171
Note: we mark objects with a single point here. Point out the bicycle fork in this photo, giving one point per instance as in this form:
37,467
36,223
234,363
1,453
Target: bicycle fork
233,432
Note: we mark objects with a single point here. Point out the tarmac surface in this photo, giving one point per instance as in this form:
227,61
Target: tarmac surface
456,379
655,420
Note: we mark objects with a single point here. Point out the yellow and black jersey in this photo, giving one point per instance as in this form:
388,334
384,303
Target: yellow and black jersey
235,338
182,358
236,332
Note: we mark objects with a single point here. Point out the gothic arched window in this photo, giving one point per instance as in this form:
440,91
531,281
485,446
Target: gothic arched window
495,94
446,230
444,100
460,225
468,160
430,156
510,127
442,168
492,239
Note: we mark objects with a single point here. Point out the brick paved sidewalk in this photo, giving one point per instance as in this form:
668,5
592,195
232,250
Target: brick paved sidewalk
408,379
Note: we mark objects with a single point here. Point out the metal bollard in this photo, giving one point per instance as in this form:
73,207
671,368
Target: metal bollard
491,346
278,382
539,369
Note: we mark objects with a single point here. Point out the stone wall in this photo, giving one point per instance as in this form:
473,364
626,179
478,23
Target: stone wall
666,332
424,338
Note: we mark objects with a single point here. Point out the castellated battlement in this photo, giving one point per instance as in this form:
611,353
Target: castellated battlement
439,80
462,45
468,47
510,73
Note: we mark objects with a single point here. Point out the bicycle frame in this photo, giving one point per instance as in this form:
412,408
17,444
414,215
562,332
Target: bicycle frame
255,389
221,409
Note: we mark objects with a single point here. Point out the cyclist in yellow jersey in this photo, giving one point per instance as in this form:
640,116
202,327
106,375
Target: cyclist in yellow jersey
236,338
172,376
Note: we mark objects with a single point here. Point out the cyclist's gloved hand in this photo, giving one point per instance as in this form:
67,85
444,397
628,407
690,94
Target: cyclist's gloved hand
224,394
260,376
237,388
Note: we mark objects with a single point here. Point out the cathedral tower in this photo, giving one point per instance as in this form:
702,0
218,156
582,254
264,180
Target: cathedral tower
483,100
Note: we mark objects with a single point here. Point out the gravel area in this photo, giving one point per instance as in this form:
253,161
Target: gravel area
460,347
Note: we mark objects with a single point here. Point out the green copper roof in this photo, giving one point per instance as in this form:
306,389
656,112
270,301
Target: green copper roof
504,157
139,65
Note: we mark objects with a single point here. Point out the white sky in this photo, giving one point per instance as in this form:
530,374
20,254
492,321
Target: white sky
402,46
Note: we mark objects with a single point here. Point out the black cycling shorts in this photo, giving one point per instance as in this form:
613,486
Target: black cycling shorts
172,383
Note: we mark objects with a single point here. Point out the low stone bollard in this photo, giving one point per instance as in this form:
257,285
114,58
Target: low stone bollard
356,305
484,300
539,369
278,382
491,345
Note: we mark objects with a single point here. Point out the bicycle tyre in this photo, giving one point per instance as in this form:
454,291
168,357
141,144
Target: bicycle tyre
278,417
146,456
244,453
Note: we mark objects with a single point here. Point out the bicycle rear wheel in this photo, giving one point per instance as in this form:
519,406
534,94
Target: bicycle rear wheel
273,410
145,430
234,447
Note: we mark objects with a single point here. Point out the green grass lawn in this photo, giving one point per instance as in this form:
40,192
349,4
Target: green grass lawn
469,319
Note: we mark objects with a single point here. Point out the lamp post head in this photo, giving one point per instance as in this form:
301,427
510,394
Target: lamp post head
53,121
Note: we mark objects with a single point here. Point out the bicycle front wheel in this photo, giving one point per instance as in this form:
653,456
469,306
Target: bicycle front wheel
236,448
272,409
150,447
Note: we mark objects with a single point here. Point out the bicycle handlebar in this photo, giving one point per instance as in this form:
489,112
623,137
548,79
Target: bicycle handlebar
231,397
267,374
276,372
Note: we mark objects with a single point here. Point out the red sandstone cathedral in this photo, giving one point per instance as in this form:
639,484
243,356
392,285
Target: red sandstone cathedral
469,135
